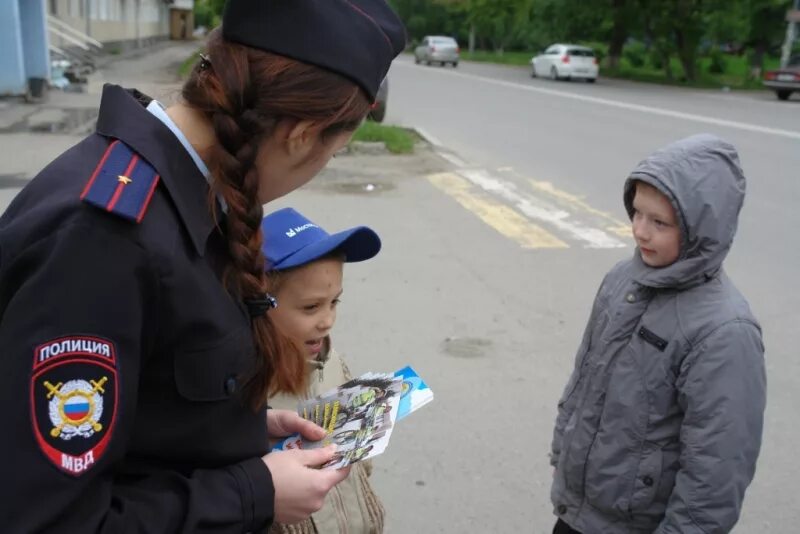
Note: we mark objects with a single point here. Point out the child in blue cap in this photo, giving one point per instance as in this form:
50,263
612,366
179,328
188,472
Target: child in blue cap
305,267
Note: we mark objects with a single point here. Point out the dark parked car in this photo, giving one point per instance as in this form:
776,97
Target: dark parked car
786,80
378,111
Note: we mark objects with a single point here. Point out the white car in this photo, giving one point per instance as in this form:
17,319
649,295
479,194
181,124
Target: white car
566,62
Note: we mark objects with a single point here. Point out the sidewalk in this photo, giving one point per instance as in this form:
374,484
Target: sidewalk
31,135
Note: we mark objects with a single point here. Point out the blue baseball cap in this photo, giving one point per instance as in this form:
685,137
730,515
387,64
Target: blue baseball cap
291,240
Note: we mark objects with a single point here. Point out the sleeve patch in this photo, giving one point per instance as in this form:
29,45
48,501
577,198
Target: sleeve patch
123,183
74,398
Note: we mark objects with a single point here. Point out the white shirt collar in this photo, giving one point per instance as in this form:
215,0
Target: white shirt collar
157,109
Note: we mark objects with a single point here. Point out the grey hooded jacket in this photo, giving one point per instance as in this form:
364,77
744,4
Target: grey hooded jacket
659,426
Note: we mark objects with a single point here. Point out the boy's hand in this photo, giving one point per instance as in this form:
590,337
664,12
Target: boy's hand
283,423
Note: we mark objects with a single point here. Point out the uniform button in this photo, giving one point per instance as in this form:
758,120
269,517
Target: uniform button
631,297
230,385
561,509
648,481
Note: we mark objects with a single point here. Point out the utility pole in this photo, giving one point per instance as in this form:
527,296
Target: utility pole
87,11
472,38
138,12
793,17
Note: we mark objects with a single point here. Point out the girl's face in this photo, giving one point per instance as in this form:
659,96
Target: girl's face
292,156
307,299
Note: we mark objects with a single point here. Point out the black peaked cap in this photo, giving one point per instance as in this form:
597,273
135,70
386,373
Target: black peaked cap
355,38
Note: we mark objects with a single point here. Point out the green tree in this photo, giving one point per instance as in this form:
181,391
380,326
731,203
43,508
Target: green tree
499,20
664,29
208,13
766,29
624,14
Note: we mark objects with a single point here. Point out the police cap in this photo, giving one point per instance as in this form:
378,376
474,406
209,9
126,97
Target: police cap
355,38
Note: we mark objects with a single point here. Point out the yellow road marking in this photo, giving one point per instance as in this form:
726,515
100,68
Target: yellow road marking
622,231
499,216
617,227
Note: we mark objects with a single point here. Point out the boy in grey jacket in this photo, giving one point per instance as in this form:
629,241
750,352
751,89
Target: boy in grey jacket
659,426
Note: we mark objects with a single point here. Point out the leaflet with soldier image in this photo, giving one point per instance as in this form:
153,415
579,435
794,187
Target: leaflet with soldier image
359,415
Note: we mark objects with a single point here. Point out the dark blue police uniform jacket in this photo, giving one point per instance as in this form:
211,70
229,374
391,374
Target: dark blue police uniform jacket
122,354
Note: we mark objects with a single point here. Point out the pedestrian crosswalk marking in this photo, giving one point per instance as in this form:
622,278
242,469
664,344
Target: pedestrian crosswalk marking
497,215
614,225
622,231
541,211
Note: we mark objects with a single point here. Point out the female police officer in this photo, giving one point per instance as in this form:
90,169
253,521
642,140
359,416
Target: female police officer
136,352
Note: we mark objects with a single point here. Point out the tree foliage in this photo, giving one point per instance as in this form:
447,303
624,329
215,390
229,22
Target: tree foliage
650,31
654,30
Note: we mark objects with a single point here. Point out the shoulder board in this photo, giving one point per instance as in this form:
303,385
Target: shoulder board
122,183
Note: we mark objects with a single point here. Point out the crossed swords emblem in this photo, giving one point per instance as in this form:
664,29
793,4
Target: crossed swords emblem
97,387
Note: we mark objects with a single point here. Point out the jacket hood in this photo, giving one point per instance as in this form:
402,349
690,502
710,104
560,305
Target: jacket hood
702,178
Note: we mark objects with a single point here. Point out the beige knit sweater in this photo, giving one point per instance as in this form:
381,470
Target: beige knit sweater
351,507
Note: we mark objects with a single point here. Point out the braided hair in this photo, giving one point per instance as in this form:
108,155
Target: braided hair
244,93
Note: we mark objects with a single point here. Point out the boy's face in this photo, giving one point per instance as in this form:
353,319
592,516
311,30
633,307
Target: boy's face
307,299
655,226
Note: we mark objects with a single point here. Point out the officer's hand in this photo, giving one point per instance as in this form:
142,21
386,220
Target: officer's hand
283,423
299,488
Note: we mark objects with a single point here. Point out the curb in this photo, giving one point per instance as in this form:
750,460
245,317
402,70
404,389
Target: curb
440,148
428,138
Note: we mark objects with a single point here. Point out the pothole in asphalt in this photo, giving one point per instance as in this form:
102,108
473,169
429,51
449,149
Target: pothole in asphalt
13,181
352,181
74,121
359,188
466,347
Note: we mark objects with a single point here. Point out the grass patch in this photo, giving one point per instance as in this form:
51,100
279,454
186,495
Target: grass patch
506,58
397,140
736,75
188,64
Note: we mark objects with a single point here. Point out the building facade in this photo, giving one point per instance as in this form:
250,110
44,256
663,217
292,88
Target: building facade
32,32
119,24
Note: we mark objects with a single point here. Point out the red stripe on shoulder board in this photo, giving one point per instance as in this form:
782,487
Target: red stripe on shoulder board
99,166
121,186
147,200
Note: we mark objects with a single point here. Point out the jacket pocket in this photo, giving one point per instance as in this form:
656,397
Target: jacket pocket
214,373
609,465
648,478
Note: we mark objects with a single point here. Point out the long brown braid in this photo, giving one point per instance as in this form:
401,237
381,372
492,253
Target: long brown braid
244,93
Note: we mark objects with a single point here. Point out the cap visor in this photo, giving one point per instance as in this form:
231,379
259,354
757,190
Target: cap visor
357,244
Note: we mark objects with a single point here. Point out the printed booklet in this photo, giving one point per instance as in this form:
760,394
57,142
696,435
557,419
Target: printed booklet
359,415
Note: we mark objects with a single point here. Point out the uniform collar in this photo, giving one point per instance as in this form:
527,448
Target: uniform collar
123,116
